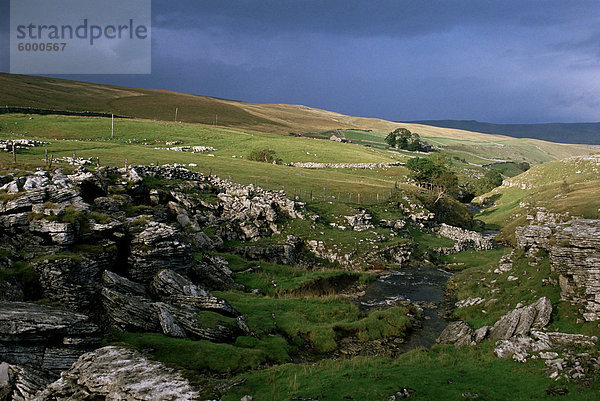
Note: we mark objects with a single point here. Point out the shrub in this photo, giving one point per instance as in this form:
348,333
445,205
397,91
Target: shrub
265,155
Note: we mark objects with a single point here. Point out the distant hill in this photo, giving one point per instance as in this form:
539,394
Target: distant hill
583,133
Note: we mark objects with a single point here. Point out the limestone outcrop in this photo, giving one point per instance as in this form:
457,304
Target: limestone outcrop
158,246
574,249
173,308
521,321
465,239
21,383
72,280
44,337
116,373
516,323
360,221
214,274
106,244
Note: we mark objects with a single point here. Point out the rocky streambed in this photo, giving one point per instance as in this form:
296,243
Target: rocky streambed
422,286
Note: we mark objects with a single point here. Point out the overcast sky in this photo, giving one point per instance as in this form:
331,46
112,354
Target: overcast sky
500,61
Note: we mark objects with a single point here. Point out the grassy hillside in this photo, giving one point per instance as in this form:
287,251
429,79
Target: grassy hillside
135,141
51,93
569,186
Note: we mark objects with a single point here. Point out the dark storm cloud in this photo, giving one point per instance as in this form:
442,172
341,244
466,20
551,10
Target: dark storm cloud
363,18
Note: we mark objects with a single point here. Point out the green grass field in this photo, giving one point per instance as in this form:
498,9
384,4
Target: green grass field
90,138
442,373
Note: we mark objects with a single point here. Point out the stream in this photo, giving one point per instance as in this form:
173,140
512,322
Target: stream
423,285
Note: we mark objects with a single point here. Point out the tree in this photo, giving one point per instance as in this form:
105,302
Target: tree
402,142
413,145
404,139
447,180
435,170
493,178
390,139
423,169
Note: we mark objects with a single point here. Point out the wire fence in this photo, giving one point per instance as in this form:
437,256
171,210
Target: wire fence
333,195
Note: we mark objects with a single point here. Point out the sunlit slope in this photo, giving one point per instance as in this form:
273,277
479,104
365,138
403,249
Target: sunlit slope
568,186
143,141
59,94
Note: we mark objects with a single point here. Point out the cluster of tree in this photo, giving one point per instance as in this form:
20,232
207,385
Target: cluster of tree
489,181
264,155
402,138
436,170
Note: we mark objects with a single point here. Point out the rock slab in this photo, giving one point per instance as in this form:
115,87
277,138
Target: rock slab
115,373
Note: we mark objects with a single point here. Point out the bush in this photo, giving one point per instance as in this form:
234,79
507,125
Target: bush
264,155
489,181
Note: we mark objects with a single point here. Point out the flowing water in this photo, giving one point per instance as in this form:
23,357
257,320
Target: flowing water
423,285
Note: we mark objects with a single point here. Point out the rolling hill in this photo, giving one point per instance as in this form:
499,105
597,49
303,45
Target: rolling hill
151,104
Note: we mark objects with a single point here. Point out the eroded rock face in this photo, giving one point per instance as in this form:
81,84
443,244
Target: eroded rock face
521,321
574,249
213,272
520,347
458,333
19,383
116,373
180,291
60,233
73,282
398,253
582,368
76,258
284,254
44,337
158,246
10,291
516,323
168,283
129,312
173,310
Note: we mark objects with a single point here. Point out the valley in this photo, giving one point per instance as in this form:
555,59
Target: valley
162,248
